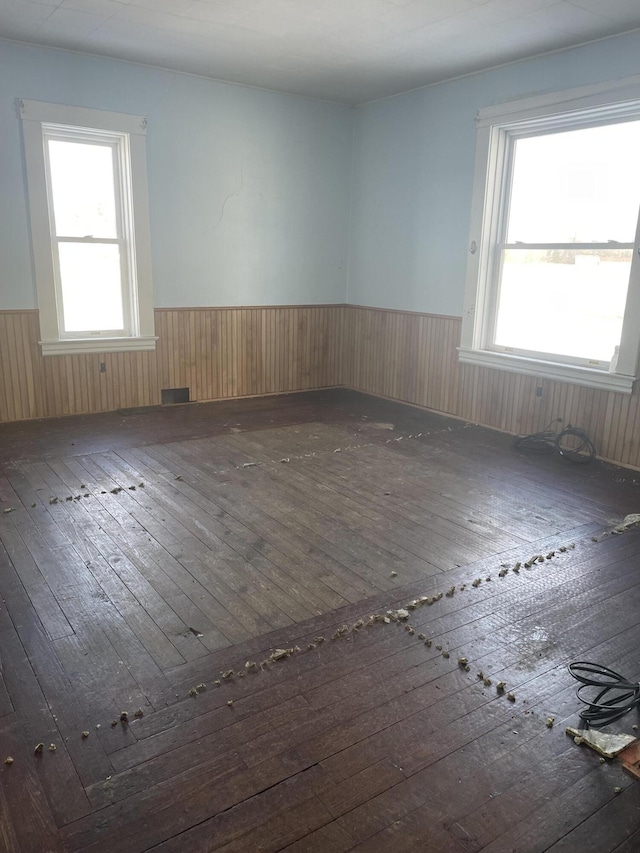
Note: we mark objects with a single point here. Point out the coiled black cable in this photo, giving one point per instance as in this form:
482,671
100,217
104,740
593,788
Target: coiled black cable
538,442
572,443
623,695
581,451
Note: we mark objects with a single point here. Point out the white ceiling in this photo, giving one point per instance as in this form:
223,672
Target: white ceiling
351,51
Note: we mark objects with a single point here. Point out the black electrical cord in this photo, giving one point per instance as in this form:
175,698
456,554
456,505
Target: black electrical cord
538,442
583,450
572,443
623,695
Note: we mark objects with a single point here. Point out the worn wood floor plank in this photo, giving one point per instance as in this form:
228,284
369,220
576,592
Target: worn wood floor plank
212,526
359,481
141,560
231,513
283,531
26,821
217,601
193,538
103,538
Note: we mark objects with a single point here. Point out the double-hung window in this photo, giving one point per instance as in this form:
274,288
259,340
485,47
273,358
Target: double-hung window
86,175
553,285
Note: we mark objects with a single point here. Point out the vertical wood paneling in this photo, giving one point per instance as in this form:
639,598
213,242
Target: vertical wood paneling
230,352
215,352
413,358
409,357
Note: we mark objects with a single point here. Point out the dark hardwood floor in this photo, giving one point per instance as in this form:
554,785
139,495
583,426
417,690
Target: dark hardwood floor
155,562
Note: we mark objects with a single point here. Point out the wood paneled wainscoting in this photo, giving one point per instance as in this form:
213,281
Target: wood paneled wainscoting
215,352
412,357
221,353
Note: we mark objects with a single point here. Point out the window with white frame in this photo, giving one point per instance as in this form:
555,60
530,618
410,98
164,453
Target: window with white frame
87,186
553,283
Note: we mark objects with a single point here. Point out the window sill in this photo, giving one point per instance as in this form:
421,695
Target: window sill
99,345
575,374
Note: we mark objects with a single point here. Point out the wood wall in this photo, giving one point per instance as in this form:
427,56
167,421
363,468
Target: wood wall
216,352
230,352
412,357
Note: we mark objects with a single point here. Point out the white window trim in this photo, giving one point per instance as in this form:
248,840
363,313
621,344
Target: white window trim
598,104
34,115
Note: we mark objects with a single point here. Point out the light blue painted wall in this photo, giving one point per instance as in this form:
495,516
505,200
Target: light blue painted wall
412,175
249,190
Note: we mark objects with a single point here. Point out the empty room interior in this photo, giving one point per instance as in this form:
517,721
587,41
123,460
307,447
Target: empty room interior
319,426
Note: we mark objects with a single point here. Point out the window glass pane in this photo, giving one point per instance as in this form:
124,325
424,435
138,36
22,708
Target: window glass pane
82,184
568,303
91,287
579,186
